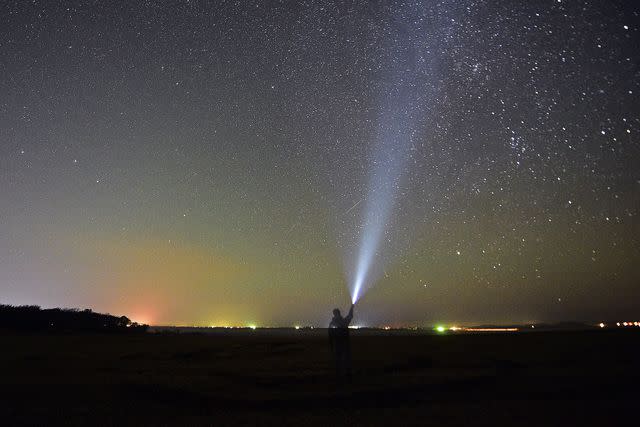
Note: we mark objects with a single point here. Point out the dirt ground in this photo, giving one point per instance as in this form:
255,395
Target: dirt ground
286,378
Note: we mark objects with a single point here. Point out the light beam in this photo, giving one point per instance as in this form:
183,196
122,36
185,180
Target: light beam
407,84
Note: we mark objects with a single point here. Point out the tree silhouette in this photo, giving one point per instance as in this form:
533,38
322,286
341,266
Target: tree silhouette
33,318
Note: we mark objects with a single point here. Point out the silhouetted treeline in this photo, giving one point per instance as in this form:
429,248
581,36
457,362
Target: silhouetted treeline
33,318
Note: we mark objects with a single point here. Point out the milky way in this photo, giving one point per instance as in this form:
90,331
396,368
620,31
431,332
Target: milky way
213,163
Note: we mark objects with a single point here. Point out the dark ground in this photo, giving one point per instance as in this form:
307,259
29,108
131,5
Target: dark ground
257,378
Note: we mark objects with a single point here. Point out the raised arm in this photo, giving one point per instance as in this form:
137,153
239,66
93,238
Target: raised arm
349,316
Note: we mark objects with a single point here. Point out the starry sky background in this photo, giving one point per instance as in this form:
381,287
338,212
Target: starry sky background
186,162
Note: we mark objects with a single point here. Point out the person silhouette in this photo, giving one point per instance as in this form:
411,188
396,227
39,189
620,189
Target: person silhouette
339,342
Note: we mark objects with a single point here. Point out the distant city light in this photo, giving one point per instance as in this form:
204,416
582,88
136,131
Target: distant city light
441,329
253,327
636,323
602,325
297,327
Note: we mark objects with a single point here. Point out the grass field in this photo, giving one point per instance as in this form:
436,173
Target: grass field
259,377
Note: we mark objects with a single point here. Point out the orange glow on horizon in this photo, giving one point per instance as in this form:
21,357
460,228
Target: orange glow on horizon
162,282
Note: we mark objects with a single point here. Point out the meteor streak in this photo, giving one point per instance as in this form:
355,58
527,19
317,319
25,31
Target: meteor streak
353,207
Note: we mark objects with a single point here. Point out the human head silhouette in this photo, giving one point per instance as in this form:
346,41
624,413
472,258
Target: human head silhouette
336,312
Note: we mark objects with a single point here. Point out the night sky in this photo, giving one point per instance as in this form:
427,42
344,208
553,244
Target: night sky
196,163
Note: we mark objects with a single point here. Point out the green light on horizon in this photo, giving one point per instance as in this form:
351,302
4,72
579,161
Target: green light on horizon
440,329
